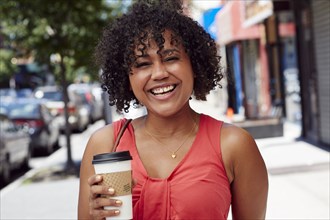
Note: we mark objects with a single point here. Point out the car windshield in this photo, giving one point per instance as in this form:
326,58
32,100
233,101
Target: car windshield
24,111
51,95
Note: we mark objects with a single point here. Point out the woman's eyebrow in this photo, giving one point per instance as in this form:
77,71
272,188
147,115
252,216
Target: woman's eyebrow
169,51
144,55
161,53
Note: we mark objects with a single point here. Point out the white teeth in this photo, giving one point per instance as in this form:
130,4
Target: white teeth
162,89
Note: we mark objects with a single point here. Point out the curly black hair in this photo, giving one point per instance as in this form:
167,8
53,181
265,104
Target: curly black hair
149,19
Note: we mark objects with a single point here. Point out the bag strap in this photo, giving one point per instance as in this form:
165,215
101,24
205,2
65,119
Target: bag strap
120,134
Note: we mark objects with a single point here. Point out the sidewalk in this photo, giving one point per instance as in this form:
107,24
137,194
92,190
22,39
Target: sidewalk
298,177
298,180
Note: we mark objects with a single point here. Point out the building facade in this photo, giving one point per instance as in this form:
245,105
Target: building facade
278,57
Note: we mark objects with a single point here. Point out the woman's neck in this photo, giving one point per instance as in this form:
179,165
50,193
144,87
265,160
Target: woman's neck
163,127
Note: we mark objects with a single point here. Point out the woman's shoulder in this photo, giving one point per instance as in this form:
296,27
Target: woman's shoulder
234,132
238,149
102,139
229,132
105,136
103,132
108,130
238,142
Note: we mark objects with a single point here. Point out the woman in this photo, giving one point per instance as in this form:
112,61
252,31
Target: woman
185,165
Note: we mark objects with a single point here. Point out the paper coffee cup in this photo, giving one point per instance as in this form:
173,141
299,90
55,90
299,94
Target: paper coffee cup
117,173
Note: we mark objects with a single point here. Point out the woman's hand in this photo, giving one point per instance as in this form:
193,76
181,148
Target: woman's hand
97,202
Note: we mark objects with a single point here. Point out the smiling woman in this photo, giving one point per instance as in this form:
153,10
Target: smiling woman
156,56
161,75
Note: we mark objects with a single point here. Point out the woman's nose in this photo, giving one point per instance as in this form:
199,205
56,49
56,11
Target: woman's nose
159,71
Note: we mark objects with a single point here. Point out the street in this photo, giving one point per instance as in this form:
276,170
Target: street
58,158
27,192
59,154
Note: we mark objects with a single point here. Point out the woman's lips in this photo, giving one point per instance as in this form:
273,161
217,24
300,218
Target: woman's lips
163,90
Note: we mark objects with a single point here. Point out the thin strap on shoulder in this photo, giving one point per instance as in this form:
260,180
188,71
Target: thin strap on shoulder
120,134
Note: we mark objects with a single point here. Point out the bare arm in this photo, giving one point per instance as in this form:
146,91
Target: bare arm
247,173
90,205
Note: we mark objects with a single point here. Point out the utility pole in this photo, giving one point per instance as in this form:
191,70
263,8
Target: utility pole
70,166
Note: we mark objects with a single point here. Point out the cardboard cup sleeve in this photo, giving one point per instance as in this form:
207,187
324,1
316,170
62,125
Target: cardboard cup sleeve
120,181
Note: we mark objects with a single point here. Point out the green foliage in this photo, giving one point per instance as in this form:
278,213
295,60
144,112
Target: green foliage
7,68
69,28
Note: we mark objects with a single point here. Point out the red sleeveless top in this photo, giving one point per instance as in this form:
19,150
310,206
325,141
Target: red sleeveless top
198,188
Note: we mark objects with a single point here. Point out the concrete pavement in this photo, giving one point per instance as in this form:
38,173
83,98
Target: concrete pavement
298,179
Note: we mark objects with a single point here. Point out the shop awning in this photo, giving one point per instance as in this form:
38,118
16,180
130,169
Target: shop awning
229,23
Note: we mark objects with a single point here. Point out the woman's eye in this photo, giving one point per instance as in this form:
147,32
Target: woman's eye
142,64
171,59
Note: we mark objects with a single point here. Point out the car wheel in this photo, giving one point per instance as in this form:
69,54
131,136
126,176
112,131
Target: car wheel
56,144
91,120
5,177
49,149
81,127
25,164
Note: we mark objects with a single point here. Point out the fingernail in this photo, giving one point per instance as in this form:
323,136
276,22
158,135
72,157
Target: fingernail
98,178
117,212
118,202
111,190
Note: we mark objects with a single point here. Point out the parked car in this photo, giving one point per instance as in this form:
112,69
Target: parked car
78,112
14,148
91,96
44,128
7,94
24,93
3,107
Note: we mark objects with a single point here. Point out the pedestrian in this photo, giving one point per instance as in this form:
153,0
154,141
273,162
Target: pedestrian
186,165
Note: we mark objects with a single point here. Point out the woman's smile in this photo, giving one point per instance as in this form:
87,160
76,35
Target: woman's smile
162,90
162,93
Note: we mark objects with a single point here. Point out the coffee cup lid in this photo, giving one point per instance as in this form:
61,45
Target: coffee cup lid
111,157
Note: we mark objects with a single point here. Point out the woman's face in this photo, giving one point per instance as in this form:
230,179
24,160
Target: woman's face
163,82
